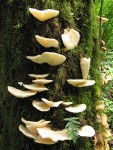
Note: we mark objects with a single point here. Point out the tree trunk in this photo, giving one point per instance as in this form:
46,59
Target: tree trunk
18,28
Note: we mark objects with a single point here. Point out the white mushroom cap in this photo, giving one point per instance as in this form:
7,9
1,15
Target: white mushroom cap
46,132
85,65
27,133
43,15
51,104
38,76
41,140
31,122
35,87
33,127
51,58
40,106
86,131
19,93
67,103
80,82
70,38
42,81
47,42
76,109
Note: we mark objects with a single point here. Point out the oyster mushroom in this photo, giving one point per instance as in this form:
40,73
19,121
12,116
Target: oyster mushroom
76,109
27,133
35,87
42,81
48,133
70,38
103,19
42,106
43,15
47,42
80,82
85,65
51,58
86,131
19,93
46,141
38,76
51,104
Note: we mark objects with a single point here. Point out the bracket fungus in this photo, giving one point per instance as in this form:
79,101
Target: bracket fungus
51,104
80,82
42,81
26,132
19,93
51,58
76,109
47,42
70,38
41,140
43,15
35,87
38,76
86,131
40,106
85,65
48,133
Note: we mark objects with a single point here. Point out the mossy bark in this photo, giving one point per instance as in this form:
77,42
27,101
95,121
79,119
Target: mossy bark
18,28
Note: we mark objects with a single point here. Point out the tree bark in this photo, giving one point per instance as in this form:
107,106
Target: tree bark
17,41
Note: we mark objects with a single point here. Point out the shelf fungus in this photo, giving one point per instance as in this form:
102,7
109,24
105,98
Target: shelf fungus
85,65
86,131
42,81
45,104
41,106
54,135
76,109
67,103
46,141
51,103
80,82
70,38
35,87
51,58
47,42
19,93
43,15
38,76
27,133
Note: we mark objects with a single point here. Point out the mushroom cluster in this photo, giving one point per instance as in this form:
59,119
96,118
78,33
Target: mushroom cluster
42,131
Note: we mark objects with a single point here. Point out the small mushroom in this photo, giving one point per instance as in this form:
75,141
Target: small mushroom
19,93
46,141
43,15
80,82
51,58
76,109
103,20
86,131
42,106
51,104
27,133
47,42
48,133
42,81
67,103
85,65
38,76
107,133
70,38
35,87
